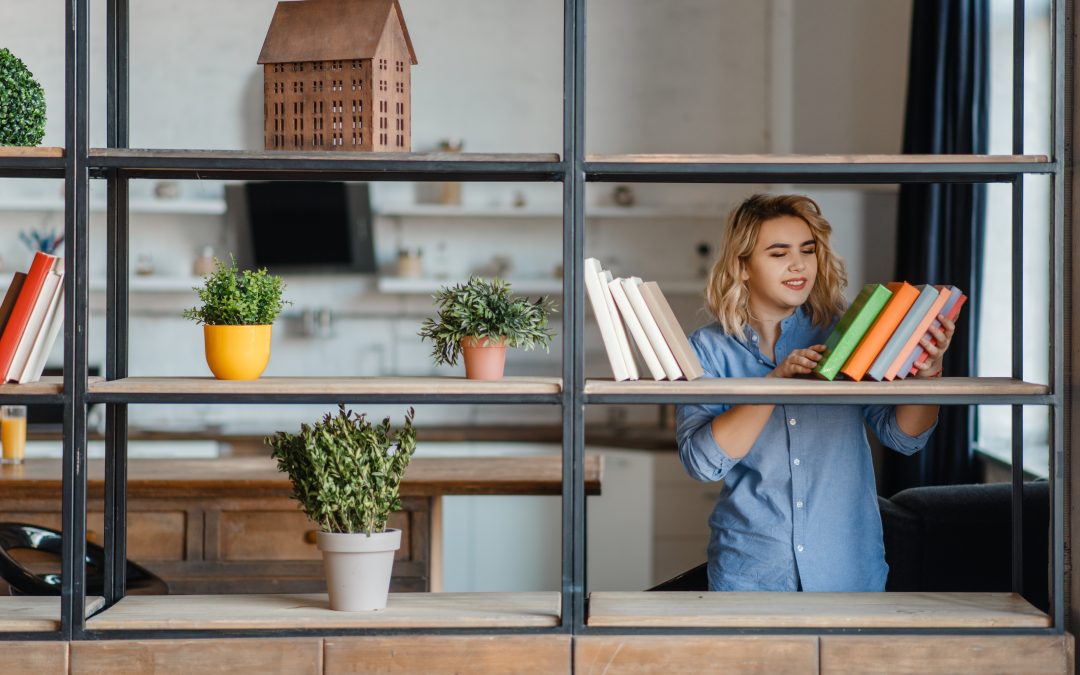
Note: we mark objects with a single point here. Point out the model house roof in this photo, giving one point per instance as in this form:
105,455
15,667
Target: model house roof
329,30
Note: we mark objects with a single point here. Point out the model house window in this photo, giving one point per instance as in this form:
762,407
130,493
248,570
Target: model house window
399,66
401,141
400,108
382,85
382,64
400,87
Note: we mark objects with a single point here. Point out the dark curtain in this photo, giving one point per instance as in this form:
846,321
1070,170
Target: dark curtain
941,227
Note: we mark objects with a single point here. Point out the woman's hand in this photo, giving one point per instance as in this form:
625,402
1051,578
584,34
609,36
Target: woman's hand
935,349
799,362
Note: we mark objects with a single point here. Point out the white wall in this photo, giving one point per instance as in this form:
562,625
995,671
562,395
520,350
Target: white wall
740,76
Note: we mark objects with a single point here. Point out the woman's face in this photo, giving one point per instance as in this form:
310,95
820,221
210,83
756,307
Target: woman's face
782,268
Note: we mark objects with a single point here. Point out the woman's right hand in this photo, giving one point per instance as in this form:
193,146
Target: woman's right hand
798,362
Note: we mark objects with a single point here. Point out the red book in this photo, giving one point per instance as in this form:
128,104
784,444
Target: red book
24,305
951,316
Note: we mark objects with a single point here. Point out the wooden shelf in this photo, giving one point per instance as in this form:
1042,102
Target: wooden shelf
499,212
49,387
756,389
427,286
36,152
259,477
899,160
21,613
237,164
809,169
311,611
813,610
314,389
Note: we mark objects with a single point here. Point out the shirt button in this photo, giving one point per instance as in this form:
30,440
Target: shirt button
754,338
799,548
796,461
791,421
798,505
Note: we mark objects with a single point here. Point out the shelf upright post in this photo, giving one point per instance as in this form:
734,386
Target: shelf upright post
1017,287
116,312
76,186
1059,383
573,406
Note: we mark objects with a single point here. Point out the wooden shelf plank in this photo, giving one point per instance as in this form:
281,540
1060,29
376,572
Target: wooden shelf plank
36,152
404,610
22,613
270,156
819,389
39,479
45,386
331,386
814,610
815,159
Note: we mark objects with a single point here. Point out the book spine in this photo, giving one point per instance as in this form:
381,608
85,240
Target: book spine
603,319
632,286
851,328
616,320
24,305
636,331
928,295
904,295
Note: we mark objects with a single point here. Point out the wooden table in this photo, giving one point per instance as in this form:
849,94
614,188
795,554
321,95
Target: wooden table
219,525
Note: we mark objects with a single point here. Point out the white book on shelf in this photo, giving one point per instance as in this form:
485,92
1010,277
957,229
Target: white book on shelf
652,330
54,320
50,288
626,310
620,332
596,292
671,330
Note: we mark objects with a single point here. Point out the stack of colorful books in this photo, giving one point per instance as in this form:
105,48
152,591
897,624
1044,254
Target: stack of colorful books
640,308
879,335
31,315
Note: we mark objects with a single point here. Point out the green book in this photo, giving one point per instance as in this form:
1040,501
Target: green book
851,328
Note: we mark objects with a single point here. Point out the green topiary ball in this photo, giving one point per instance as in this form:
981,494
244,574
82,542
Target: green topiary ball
22,103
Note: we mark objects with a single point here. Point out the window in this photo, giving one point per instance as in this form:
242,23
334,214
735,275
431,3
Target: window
399,87
993,427
382,64
382,85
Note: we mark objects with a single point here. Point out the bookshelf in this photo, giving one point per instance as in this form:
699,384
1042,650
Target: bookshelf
563,613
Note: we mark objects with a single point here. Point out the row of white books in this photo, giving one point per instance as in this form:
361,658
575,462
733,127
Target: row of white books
630,305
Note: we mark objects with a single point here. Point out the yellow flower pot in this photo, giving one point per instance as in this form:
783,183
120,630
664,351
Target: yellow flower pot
237,352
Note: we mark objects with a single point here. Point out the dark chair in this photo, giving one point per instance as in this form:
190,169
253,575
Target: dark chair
950,538
25,582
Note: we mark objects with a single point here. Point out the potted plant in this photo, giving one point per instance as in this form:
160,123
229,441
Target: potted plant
479,320
237,312
22,103
345,472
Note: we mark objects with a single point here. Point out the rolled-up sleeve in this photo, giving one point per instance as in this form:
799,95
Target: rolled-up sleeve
882,419
699,452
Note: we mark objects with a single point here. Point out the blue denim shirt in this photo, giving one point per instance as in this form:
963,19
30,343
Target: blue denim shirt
800,509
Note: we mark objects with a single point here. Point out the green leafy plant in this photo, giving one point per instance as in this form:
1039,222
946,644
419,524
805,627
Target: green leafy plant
346,471
485,309
232,298
22,103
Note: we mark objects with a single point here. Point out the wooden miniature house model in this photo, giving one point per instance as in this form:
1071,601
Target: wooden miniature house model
336,76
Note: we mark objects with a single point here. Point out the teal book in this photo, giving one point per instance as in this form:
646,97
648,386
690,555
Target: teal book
850,329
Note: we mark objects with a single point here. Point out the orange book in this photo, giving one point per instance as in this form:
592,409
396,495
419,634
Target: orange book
903,297
920,330
24,305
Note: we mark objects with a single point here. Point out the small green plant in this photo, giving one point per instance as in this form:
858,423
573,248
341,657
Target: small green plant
232,298
485,309
346,471
22,103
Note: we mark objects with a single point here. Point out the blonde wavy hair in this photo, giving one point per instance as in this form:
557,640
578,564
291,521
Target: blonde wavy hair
726,294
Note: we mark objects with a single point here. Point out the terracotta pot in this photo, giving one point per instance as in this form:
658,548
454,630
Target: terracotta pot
484,358
237,352
358,568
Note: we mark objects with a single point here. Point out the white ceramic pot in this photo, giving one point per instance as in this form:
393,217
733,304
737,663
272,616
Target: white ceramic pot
358,568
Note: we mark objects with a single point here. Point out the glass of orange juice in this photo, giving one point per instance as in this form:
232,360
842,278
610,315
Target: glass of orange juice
13,433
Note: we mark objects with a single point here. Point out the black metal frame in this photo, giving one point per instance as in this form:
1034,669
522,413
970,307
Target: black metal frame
117,166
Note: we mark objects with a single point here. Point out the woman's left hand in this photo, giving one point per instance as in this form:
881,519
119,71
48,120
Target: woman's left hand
935,349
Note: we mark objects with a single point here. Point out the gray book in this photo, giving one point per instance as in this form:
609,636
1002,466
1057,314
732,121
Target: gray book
889,353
